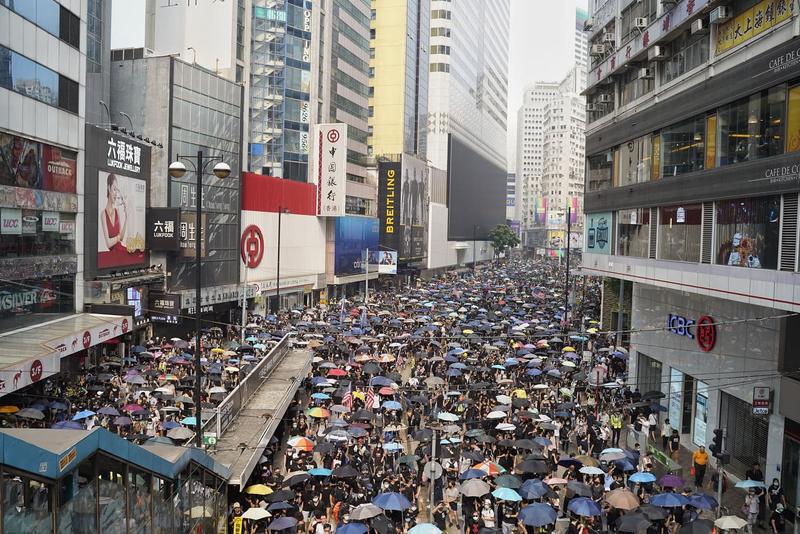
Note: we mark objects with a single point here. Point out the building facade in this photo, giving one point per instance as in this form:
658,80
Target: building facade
691,196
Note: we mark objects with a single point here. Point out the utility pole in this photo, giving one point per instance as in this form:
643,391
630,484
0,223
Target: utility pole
366,278
566,281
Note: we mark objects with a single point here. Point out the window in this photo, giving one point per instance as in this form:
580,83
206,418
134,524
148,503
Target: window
357,205
679,233
752,128
441,14
747,232
688,52
440,49
599,171
633,232
25,76
69,27
683,147
440,67
635,86
634,161
641,9
440,32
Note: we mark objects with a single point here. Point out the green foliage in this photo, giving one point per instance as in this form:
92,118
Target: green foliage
503,238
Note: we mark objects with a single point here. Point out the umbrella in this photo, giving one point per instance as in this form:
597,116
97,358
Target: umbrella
622,499
538,515
579,488
473,473
670,481
533,489
180,433
320,472
345,471
698,526
474,487
584,506
83,414
30,413
508,481
506,494
71,425
533,466
282,523
653,513
492,468
669,500
108,410
365,511
730,522
703,501
301,443
642,477
745,484
352,528
319,413
590,470
633,523
420,528
447,416
392,501
256,513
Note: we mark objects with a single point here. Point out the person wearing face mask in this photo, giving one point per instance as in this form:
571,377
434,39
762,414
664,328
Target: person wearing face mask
487,514
474,523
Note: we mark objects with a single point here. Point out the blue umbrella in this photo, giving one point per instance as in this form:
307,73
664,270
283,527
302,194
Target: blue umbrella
627,466
380,381
282,523
352,528
458,365
169,425
357,432
702,501
473,473
391,405
83,414
669,500
138,348
319,472
189,421
534,372
642,478
391,501
506,494
533,489
544,442
538,515
453,372
392,446
69,425
318,380
279,506
420,528
583,506
320,396
58,406
747,484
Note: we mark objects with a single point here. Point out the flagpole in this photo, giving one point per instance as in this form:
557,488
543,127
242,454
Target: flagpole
366,281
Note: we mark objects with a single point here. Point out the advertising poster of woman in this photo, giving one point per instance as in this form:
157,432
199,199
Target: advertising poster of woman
121,220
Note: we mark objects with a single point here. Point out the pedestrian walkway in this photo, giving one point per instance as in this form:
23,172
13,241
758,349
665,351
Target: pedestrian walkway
244,441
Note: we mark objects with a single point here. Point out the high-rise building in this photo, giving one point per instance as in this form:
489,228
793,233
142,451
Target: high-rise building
398,68
98,63
511,195
468,85
580,47
691,202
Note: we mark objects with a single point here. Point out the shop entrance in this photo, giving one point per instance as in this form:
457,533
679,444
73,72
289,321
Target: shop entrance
790,472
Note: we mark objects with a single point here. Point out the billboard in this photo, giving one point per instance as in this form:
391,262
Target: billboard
383,261
598,233
121,216
28,163
389,188
354,235
476,193
330,168
403,207
163,226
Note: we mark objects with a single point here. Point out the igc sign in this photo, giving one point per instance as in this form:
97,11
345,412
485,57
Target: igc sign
704,331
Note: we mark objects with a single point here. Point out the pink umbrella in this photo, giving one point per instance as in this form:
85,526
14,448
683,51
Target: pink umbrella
670,481
132,408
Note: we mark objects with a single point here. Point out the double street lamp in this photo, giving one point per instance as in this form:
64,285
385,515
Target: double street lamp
177,169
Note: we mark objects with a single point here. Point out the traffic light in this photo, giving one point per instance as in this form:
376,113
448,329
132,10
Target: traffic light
716,443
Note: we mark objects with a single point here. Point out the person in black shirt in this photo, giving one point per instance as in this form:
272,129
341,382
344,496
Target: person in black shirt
440,513
775,493
776,521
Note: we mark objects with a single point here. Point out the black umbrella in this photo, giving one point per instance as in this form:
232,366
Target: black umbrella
422,435
579,488
371,368
382,524
654,513
280,495
698,526
533,466
526,444
520,403
345,471
297,479
475,456
653,395
363,415
632,523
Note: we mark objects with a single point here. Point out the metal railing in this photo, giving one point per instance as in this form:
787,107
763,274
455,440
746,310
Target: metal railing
220,419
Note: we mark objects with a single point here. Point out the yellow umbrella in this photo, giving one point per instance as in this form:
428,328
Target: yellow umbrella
519,393
468,331
217,350
8,409
591,330
359,395
258,489
568,349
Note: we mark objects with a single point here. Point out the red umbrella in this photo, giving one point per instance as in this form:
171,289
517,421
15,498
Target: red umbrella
132,408
337,372
386,391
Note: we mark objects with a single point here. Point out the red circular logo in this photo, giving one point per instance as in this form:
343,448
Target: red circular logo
87,339
125,326
37,369
252,246
333,136
706,333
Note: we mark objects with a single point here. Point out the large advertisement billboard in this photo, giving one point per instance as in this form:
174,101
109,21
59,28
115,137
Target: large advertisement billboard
389,205
28,163
476,193
121,216
330,168
117,177
403,207
354,235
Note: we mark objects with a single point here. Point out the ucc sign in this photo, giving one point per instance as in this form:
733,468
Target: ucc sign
705,331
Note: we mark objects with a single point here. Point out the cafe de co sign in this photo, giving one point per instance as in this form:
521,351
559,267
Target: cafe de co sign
703,330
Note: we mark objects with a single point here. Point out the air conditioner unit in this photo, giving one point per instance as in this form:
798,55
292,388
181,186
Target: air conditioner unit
592,107
668,4
719,14
608,37
640,23
699,27
604,99
598,49
646,74
657,53
588,24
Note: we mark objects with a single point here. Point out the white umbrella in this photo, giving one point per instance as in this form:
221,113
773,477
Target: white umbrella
256,514
730,522
496,415
540,386
447,416
506,427
503,399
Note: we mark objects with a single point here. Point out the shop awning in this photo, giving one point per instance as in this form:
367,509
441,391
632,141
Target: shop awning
460,245
29,354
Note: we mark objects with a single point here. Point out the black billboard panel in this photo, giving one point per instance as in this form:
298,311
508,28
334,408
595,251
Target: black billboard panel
165,307
389,178
476,193
163,229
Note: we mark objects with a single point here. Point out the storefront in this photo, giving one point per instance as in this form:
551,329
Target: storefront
707,355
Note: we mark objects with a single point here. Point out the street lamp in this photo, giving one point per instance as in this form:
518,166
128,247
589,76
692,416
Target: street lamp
278,267
221,170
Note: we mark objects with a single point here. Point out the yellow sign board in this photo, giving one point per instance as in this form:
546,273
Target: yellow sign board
752,22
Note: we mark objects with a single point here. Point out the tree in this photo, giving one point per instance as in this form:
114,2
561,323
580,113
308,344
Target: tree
503,238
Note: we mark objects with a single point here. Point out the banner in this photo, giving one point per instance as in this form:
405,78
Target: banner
383,261
389,203
752,22
330,168
121,220
10,221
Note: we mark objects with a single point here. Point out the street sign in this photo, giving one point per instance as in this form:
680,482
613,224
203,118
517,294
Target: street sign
761,401
433,470
210,440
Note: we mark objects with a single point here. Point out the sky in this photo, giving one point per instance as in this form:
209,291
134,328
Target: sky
540,45
540,49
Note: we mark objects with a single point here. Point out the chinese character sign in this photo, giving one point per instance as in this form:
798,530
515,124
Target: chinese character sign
330,162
